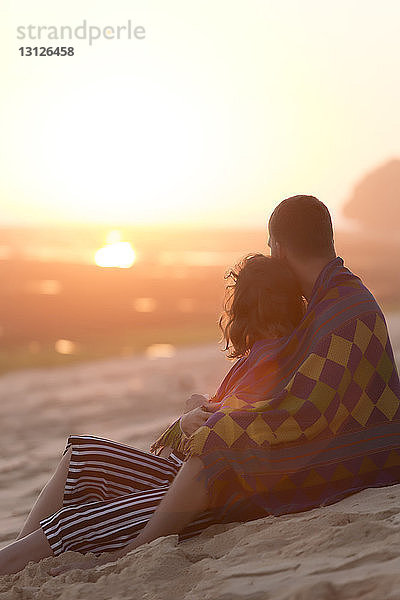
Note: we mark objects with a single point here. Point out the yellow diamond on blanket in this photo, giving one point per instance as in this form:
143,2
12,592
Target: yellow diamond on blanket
260,431
198,439
233,402
341,473
363,373
380,331
312,367
393,460
339,350
261,406
363,409
228,430
388,403
362,335
367,465
316,428
344,383
341,415
385,367
284,485
321,396
313,478
292,404
288,431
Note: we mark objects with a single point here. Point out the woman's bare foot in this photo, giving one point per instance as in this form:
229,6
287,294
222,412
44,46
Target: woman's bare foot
15,556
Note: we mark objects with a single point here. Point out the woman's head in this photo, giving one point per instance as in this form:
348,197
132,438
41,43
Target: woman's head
262,301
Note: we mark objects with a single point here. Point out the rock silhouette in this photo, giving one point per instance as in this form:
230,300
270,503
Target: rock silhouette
375,202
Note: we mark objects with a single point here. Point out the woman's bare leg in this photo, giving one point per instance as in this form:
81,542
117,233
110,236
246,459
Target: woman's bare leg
50,498
15,556
186,498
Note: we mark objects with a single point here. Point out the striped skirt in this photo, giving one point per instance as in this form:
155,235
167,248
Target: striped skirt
111,492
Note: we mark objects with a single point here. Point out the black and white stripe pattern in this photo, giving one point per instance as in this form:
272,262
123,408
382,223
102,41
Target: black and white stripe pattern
110,494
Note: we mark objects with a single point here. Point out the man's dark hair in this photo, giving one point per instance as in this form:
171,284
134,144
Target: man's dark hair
304,225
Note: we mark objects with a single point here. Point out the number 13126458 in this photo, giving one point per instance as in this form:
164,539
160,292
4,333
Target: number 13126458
43,51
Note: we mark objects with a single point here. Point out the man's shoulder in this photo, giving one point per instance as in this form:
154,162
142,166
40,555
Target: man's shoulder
344,284
343,300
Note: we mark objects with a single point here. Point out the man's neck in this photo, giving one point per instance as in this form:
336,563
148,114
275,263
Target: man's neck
307,273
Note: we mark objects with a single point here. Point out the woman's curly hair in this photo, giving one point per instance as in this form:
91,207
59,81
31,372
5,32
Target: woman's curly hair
263,301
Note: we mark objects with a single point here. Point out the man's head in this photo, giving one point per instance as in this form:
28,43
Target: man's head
300,229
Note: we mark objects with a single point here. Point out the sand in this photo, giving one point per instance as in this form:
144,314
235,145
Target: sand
349,550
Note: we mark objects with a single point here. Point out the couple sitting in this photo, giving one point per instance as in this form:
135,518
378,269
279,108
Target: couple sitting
308,414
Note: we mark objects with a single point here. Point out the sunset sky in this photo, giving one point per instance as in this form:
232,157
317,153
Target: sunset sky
225,108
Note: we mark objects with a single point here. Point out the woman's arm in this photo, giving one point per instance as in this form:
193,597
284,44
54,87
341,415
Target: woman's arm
175,437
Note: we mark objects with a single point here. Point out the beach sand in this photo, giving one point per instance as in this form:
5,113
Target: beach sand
349,550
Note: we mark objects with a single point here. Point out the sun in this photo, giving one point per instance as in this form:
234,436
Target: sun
115,253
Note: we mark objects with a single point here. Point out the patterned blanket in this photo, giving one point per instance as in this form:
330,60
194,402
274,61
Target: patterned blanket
308,419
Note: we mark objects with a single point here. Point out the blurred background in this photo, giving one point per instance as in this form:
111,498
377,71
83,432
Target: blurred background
84,292
134,173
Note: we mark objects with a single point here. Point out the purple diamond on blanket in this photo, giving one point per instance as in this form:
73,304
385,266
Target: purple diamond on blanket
275,418
329,470
375,418
215,418
394,383
213,442
332,408
353,464
244,442
375,387
352,395
302,386
307,415
380,458
243,418
322,347
369,320
354,359
331,373
351,424
348,330
374,351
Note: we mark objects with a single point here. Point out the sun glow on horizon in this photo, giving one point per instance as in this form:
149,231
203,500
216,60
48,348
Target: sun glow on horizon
115,253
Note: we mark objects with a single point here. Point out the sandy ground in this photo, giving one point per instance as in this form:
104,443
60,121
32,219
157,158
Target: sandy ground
345,551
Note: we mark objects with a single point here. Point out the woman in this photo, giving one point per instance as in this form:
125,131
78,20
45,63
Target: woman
108,497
